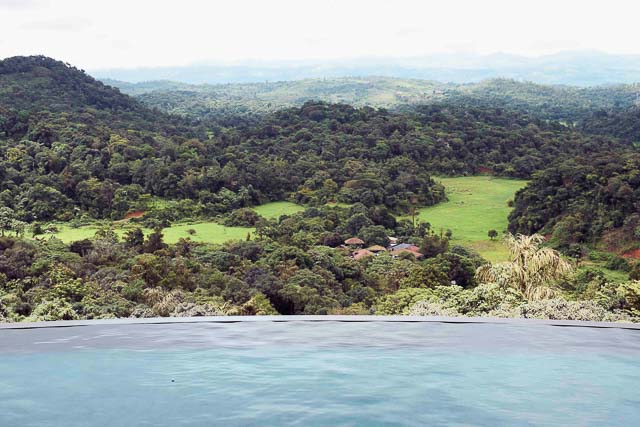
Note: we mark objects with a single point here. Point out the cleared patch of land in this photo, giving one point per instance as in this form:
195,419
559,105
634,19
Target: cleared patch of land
207,231
476,205
277,209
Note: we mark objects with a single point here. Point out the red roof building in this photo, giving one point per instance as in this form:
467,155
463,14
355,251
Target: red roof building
361,253
354,241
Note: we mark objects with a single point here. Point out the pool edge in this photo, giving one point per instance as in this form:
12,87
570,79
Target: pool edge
346,318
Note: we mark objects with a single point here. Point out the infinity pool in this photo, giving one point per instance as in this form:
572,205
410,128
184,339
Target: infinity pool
322,373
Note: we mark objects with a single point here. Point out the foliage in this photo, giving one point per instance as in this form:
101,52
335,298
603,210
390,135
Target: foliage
244,217
83,155
582,200
567,310
531,270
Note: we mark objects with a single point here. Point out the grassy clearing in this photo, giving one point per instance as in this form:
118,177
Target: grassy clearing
209,232
476,205
68,234
277,209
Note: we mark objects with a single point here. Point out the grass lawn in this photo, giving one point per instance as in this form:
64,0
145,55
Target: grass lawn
209,232
476,205
277,209
68,234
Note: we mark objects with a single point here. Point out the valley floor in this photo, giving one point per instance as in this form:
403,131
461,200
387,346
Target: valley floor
476,205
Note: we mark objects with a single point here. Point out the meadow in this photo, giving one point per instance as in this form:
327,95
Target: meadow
476,205
208,231
274,210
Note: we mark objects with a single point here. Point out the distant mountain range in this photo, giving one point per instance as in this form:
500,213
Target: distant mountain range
582,68
567,104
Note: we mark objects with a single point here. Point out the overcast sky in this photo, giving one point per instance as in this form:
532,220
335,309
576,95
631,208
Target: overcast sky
134,33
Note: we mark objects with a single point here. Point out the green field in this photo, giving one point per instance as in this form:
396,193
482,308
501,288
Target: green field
208,231
476,205
274,210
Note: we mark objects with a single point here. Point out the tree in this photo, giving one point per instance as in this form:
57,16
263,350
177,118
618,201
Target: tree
134,239
428,275
374,235
433,244
531,270
18,227
37,229
7,218
81,247
244,217
154,242
356,223
492,234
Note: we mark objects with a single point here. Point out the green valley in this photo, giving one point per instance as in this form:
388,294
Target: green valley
309,207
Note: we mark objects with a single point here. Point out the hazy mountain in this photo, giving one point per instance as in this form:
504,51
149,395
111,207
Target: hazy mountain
584,68
568,104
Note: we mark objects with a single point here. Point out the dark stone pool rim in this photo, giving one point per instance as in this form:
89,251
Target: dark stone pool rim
396,319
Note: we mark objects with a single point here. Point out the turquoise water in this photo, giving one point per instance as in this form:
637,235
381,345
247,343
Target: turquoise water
323,373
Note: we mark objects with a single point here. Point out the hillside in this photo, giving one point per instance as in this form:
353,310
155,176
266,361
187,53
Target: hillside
75,143
101,153
582,200
602,109
78,144
75,155
215,100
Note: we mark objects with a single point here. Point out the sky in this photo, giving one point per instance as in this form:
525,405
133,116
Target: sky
102,34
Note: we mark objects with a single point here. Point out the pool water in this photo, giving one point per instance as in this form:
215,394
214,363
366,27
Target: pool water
319,373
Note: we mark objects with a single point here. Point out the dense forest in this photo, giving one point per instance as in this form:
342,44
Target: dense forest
606,110
73,149
578,200
72,143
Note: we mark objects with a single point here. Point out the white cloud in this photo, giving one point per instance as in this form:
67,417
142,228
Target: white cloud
119,33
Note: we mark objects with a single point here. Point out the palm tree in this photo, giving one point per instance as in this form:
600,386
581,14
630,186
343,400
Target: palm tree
531,270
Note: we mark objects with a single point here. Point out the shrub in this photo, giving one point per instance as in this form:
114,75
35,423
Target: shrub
428,308
629,295
561,309
258,305
244,217
401,301
486,299
618,263
56,309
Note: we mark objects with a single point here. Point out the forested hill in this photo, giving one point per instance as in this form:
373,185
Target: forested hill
600,109
582,200
251,98
39,95
69,143
38,82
